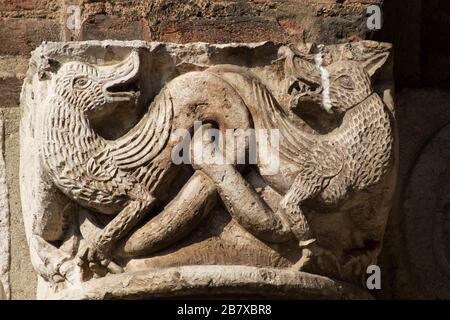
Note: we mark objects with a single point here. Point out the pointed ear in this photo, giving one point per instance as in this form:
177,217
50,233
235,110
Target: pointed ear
47,66
375,62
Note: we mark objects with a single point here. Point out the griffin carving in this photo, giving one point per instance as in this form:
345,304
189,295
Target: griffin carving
336,162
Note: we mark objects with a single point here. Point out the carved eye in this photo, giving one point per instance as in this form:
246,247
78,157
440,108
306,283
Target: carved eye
81,83
346,82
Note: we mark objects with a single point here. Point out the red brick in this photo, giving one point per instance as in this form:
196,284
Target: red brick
46,9
21,36
101,27
12,5
223,30
292,26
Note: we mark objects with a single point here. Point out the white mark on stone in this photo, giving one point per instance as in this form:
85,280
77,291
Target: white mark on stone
325,78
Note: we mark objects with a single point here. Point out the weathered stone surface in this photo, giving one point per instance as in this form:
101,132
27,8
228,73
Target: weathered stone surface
104,197
216,22
298,19
418,30
2,292
227,30
4,223
22,277
30,9
10,91
212,281
12,73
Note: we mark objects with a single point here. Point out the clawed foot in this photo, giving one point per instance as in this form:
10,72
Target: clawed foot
95,260
316,259
89,263
67,271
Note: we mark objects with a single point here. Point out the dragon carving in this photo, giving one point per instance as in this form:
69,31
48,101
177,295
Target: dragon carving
343,166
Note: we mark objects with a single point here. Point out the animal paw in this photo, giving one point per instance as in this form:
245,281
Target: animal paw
68,271
91,253
96,260
316,259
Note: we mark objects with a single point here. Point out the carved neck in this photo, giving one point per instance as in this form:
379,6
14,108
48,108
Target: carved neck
68,137
366,116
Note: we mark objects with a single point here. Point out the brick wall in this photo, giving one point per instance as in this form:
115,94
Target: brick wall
24,24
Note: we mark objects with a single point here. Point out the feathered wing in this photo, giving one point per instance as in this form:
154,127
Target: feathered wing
135,151
102,170
146,140
306,150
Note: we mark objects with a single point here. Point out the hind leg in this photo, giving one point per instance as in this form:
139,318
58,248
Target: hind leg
96,252
305,186
178,219
315,258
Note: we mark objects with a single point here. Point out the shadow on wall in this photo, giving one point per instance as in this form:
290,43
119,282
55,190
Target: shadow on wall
419,31
2,292
415,255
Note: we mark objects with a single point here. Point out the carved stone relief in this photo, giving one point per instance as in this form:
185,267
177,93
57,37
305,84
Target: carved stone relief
109,214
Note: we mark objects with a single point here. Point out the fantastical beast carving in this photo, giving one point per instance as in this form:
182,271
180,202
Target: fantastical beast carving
328,204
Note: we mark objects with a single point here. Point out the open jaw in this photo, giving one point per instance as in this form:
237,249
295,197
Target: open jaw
307,103
305,92
126,90
121,80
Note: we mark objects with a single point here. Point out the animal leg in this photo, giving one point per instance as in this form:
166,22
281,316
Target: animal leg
305,186
118,227
240,198
179,218
245,205
314,257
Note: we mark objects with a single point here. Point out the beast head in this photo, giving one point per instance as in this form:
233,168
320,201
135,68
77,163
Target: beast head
337,87
90,88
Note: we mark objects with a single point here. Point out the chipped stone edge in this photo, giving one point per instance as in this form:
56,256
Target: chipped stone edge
202,51
5,236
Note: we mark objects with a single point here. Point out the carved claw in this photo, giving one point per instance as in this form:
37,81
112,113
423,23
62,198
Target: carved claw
68,271
316,259
92,258
89,253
